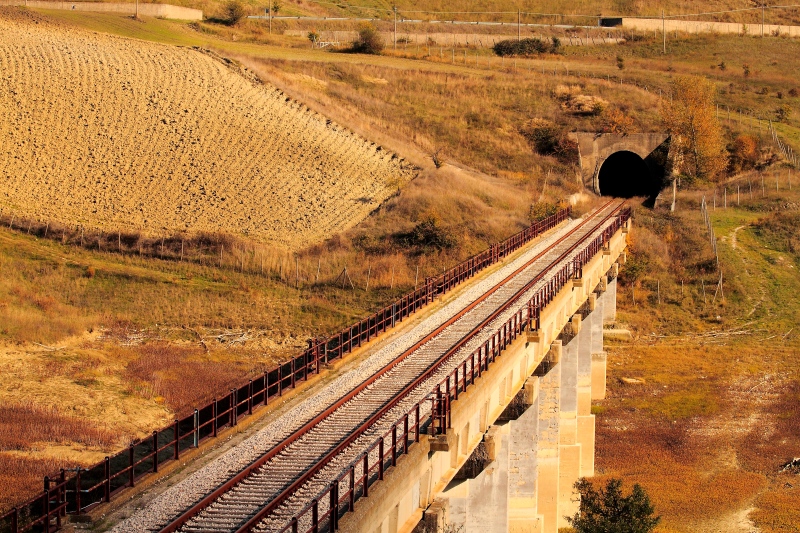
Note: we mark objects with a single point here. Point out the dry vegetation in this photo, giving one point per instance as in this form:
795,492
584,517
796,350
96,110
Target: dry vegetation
104,132
165,334
712,420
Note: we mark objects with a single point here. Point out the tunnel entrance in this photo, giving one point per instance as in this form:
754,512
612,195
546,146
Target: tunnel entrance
625,174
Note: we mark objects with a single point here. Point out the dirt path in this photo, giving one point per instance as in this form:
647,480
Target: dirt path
113,133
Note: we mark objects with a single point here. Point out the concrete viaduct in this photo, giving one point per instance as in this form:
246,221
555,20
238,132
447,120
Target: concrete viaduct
529,460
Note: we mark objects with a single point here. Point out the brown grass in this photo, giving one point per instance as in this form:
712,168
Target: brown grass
242,158
23,424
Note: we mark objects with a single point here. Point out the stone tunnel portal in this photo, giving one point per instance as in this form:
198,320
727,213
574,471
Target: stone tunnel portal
625,174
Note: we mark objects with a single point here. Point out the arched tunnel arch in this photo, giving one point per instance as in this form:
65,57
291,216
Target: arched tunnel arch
625,174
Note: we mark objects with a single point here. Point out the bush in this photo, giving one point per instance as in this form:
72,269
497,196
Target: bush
547,138
233,12
607,511
526,47
369,40
743,153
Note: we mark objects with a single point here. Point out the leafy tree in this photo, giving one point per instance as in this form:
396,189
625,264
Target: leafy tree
526,47
313,36
607,511
689,115
369,40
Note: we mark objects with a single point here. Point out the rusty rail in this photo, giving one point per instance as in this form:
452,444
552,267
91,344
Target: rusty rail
407,429
99,483
250,469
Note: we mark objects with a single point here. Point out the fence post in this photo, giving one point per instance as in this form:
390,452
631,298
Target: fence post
315,516
394,445
47,503
155,451
352,501
294,524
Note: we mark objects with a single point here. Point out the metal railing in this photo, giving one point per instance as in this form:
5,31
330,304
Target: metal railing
86,488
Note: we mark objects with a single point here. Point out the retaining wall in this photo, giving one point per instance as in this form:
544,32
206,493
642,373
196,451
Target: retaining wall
165,11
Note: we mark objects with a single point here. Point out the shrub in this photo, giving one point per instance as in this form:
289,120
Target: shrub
541,210
783,113
526,47
233,12
606,510
615,121
620,62
743,153
369,40
547,138
793,92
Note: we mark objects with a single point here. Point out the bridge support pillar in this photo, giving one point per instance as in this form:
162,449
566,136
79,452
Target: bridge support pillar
598,354
549,440
569,452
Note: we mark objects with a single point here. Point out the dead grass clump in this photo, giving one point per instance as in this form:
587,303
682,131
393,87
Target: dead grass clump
21,478
24,424
182,377
778,510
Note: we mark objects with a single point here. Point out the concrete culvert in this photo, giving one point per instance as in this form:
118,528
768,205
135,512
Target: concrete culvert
624,174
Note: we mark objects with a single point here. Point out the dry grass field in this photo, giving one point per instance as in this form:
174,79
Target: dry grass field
712,418
106,133
148,138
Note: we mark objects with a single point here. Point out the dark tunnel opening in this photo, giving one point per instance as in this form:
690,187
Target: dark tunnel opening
626,175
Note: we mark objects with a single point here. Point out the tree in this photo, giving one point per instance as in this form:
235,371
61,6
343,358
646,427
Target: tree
369,40
313,36
607,511
234,12
689,116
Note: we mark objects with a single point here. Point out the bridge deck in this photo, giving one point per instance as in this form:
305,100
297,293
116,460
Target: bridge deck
329,433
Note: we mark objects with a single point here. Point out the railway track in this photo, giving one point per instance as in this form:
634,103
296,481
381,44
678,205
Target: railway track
272,491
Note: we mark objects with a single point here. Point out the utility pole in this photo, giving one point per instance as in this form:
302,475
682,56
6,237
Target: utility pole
395,27
519,25
763,5
664,30
136,15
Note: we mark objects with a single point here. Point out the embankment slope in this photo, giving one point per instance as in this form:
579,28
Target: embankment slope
113,133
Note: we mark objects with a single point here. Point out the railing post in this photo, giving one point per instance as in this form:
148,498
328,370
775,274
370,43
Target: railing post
333,506
233,406
107,472
365,468
294,371
250,397
294,524
46,504
266,387
280,380
405,434
456,391
61,497
15,520
131,472
380,458
416,415
214,417
177,435
155,451
394,445
196,429
315,516
352,500
78,488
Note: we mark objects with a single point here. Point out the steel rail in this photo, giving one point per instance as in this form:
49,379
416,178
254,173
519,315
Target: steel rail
264,512
195,509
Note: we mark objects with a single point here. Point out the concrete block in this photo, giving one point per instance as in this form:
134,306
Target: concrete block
569,472
576,323
586,438
530,390
435,517
592,301
554,355
492,442
599,375
617,334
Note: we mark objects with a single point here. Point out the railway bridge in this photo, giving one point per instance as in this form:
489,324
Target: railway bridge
477,414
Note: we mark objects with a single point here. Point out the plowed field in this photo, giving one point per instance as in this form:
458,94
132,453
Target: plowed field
112,133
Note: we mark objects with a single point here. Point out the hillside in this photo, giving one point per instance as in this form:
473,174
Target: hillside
103,132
